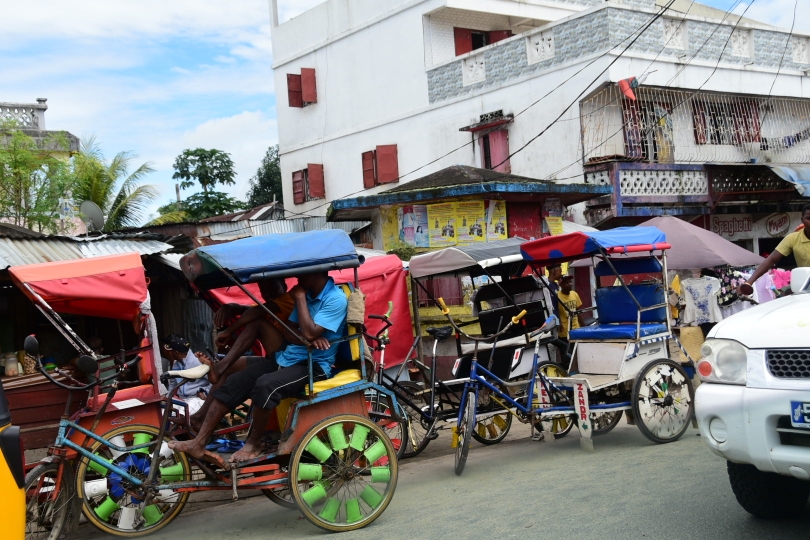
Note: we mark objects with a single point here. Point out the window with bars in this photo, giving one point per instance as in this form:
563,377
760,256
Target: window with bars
308,184
727,122
380,166
648,131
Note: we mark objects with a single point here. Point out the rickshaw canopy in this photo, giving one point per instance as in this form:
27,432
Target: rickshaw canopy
580,245
272,256
451,259
113,286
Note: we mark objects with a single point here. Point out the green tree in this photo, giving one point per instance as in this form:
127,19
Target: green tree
206,167
114,186
265,186
32,179
196,207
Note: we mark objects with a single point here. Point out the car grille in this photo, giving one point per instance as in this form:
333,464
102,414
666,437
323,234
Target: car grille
789,363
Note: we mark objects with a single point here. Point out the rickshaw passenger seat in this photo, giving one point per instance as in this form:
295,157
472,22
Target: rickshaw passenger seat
441,333
618,313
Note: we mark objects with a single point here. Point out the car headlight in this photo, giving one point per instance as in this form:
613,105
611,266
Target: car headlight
723,361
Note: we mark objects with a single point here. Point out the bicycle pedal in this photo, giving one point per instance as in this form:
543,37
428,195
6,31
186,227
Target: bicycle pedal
432,436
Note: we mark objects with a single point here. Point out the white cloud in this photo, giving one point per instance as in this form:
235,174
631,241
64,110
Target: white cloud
779,13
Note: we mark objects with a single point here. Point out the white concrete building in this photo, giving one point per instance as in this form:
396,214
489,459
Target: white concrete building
414,80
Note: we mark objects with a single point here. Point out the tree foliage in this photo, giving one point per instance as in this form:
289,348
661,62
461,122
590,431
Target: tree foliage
206,167
32,180
266,183
198,206
114,186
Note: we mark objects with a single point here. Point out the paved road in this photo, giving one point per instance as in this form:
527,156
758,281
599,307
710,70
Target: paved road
627,488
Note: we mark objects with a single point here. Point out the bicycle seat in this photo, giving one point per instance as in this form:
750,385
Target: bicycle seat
441,333
197,372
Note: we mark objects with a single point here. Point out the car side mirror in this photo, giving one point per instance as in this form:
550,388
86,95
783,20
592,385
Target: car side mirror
799,278
87,364
31,346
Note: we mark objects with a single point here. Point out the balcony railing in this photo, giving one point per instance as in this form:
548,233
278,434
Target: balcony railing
676,126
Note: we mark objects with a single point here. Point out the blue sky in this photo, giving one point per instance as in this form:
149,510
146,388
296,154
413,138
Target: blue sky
157,76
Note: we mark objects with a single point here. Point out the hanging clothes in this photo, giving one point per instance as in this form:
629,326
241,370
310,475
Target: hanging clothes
675,296
765,289
781,278
701,301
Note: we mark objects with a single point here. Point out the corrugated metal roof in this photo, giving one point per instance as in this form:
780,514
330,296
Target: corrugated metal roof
225,231
19,251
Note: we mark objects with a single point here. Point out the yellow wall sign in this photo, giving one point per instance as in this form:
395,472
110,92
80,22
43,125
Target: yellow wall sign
471,222
442,224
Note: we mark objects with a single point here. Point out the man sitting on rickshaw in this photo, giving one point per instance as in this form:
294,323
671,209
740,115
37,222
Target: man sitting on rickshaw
320,317
256,324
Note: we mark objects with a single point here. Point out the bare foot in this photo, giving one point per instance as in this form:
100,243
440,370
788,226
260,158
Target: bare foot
192,448
246,453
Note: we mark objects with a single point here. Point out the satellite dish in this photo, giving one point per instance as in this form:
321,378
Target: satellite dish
92,216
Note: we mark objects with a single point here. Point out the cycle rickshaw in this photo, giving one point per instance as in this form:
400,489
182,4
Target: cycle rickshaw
340,466
621,364
433,403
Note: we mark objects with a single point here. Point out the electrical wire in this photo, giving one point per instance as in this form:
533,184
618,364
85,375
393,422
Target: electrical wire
640,30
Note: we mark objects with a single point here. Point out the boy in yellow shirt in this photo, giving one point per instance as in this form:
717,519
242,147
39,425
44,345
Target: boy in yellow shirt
569,301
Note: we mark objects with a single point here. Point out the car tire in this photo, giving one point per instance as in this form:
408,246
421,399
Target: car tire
767,495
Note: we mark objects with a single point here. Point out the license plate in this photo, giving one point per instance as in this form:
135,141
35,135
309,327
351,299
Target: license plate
800,414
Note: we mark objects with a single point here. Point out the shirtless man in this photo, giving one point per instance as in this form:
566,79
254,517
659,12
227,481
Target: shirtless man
320,317
255,324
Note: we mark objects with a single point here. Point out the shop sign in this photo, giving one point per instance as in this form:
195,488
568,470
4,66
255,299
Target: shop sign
731,225
777,224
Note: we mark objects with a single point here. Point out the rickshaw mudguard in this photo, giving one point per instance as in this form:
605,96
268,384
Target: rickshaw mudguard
346,399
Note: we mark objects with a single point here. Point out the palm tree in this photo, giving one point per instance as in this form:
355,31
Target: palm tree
112,186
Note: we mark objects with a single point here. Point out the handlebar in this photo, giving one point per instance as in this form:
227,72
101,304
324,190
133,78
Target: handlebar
548,326
446,312
124,367
443,306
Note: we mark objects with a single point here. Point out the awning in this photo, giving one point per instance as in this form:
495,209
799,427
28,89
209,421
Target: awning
798,175
485,255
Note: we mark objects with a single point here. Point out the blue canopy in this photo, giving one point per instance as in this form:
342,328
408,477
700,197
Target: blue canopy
270,256
578,245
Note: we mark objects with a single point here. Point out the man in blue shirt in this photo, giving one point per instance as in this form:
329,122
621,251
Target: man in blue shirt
319,316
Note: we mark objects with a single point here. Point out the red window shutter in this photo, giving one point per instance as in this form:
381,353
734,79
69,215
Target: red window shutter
369,169
294,90
298,187
387,166
499,151
315,181
463,39
499,35
308,91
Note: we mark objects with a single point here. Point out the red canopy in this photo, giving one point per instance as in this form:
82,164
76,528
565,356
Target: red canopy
381,279
113,286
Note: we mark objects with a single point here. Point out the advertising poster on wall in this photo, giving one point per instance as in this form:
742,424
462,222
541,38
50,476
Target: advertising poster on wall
496,221
405,225
420,222
442,224
470,218
555,225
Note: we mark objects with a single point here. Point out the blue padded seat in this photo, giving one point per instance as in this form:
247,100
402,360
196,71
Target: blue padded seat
616,331
618,313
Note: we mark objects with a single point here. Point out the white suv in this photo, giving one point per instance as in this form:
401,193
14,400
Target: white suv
753,407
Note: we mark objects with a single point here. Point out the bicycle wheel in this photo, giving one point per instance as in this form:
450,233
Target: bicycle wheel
45,509
418,428
465,429
281,496
493,427
663,401
397,431
602,423
116,506
343,473
560,425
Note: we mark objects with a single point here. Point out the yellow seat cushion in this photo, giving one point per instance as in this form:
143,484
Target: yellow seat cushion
344,377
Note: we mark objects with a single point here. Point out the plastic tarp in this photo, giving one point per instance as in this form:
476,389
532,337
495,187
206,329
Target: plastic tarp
450,259
113,286
578,245
798,175
269,256
381,279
